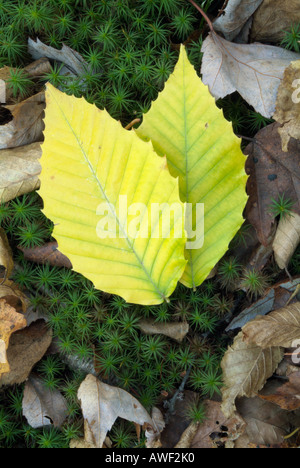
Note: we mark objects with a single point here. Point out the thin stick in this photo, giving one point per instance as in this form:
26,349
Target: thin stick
203,14
129,126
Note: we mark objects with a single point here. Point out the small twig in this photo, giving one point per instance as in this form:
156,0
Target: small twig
223,8
292,434
129,126
203,14
252,140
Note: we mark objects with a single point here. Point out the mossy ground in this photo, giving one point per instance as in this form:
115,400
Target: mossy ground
131,49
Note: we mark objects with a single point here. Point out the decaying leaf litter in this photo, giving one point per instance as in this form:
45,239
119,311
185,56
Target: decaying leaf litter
59,386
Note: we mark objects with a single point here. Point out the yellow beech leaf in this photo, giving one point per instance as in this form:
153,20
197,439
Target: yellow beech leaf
90,165
185,125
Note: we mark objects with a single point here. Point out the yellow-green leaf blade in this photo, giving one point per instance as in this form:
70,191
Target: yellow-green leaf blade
89,159
185,125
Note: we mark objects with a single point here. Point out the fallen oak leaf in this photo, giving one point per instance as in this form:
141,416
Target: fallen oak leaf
287,105
288,395
287,239
271,172
176,330
19,171
280,328
102,404
254,70
246,368
10,322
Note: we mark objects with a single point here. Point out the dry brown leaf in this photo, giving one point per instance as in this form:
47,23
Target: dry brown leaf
217,431
266,424
27,124
102,404
279,328
41,406
19,171
272,172
6,259
26,348
10,322
236,15
176,330
246,368
286,240
47,253
254,70
273,18
287,396
287,105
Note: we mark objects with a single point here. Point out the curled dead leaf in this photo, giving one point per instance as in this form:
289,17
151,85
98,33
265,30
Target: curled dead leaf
47,253
102,404
236,15
42,406
176,330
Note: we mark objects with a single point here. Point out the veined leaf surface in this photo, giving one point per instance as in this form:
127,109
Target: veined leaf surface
89,159
185,124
